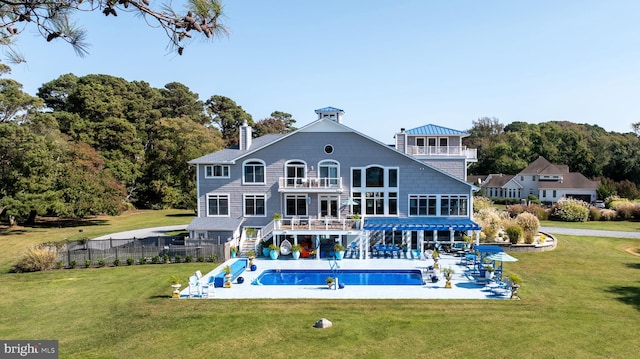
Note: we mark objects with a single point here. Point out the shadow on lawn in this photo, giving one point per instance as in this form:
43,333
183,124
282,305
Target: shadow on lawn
627,295
181,215
633,265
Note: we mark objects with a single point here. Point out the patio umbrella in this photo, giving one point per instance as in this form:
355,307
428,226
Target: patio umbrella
501,257
349,202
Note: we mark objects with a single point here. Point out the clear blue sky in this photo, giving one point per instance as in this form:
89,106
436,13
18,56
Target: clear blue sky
387,64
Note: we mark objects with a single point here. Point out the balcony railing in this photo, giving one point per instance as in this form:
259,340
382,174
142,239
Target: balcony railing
318,224
445,151
310,183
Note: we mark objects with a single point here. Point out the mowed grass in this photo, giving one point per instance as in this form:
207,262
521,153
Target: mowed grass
581,300
623,226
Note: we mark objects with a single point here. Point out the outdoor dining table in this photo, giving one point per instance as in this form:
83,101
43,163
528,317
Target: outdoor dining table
386,250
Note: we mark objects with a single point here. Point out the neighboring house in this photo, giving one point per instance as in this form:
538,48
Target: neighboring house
317,177
541,178
438,146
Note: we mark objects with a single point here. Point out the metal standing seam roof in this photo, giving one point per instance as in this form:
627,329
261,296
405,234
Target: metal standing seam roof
435,130
420,223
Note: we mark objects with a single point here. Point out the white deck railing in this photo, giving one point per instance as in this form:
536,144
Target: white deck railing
448,151
310,183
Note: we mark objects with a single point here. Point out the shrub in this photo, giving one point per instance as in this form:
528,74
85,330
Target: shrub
529,237
165,258
200,258
144,260
188,258
533,199
537,210
627,210
213,258
529,223
177,259
570,210
514,231
155,259
594,213
130,261
73,264
38,258
116,262
101,263
490,220
87,263
480,203
608,215
59,264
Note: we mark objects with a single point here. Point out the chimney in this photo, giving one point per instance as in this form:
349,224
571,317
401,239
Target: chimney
245,136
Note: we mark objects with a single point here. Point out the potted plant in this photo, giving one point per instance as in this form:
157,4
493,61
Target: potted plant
516,281
274,251
435,257
265,247
174,280
295,251
338,249
488,272
356,218
234,251
330,282
227,276
251,255
277,218
448,274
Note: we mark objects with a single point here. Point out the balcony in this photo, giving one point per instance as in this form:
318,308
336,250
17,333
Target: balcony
310,185
443,151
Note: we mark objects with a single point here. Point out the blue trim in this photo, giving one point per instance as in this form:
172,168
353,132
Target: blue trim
420,223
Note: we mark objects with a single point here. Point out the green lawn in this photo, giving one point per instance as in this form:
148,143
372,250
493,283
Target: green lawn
581,300
624,226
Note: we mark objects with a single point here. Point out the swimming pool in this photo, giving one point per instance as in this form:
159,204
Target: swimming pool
346,276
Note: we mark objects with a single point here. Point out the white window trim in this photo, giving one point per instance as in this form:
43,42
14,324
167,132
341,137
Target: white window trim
297,196
212,171
244,207
218,195
244,164
427,197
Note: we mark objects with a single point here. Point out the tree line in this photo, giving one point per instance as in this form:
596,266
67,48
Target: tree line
613,158
99,144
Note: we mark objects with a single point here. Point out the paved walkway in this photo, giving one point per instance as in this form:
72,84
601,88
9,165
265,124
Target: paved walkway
590,232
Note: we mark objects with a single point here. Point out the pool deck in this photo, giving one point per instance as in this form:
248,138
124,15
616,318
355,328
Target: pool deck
462,287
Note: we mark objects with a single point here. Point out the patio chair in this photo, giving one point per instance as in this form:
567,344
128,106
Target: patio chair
194,287
208,288
503,289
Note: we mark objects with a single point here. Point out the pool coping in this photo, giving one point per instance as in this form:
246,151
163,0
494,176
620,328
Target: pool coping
462,287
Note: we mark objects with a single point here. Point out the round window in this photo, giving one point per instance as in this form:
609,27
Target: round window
328,149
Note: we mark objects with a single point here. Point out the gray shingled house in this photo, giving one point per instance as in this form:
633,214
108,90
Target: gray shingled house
330,184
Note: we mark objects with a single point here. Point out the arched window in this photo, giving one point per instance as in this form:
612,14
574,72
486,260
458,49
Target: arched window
296,172
253,172
375,177
329,172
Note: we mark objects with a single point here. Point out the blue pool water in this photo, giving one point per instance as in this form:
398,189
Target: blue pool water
346,276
